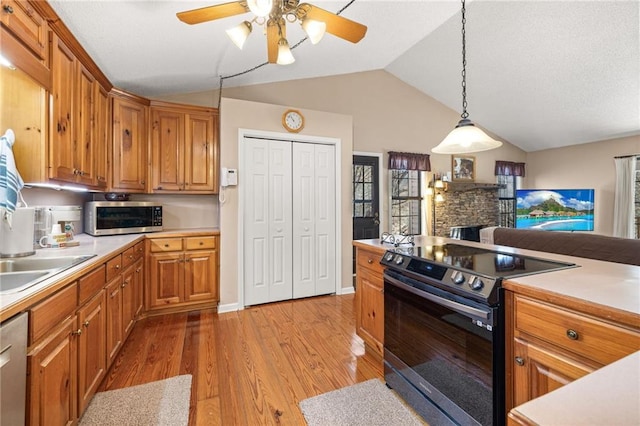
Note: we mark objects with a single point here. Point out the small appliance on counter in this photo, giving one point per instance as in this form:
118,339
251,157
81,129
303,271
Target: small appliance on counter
69,218
16,240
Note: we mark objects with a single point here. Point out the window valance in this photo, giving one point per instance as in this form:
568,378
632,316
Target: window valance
509,168
409,161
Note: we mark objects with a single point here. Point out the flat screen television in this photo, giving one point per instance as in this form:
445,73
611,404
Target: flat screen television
555,209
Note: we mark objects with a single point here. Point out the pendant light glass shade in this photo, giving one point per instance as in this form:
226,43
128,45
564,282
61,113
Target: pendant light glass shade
285,57
315,29
240,33
260,8
465,139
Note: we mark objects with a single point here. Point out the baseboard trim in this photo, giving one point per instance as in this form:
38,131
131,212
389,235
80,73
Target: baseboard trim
229,307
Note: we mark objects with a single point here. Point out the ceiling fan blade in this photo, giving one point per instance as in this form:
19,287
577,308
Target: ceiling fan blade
273,37
337,25
210,13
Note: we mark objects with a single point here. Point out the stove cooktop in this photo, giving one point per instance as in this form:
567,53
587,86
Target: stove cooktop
469,271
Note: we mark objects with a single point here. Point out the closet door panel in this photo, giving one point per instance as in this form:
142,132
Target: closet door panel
256,222
280,232
303,220
325,219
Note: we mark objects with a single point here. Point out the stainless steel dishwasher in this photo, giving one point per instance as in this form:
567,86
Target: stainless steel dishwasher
13,370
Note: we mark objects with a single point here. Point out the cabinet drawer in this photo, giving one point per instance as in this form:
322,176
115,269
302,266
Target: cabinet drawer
114,267
165,244
138,250
596,340
128,257
90,284
44,316
370,259
200,243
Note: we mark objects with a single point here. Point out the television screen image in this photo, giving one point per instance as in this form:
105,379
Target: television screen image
555,209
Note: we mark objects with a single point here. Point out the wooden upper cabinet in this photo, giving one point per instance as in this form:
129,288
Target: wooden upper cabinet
85,135
61,144
183,148
102,125
27,25
129,147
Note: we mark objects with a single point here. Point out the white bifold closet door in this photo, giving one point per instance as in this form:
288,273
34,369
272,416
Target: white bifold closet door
289,220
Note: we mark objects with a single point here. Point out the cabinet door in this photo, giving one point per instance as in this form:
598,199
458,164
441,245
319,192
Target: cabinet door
129,159
52,379
199,152
114,318
138,285
538,370
167,148
61,146
27,25
101,134
92,360
200,275
84,132
166,271
370,323
128,299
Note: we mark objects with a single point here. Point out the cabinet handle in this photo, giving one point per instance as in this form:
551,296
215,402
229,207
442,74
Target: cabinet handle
166,245
201,243
86,323
116,267
572,334
130,257
8,8
520,361
77,332
369,261
138,270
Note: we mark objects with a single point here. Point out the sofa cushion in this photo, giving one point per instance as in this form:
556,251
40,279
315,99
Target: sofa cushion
591,246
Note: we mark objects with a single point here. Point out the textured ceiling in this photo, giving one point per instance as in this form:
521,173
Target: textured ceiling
540,74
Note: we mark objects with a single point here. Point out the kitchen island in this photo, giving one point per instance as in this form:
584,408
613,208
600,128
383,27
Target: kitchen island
606,296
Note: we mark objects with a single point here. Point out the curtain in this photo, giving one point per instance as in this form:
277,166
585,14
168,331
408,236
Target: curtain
409,161
509,168
623,205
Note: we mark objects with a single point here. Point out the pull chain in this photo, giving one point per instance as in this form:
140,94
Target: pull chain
464,114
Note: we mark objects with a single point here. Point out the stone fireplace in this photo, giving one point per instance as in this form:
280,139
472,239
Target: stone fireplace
466,204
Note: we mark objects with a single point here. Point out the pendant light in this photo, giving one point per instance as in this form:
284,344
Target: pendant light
466,137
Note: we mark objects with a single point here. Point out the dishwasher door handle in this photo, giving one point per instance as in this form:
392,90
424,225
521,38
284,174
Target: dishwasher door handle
5,356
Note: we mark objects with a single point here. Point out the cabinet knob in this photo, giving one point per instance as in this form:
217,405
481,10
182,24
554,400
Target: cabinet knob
166,245
7,8
520,361
369,261
572,334
86,323
116,267
77,332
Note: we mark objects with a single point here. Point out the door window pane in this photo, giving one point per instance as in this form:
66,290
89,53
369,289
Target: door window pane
406,202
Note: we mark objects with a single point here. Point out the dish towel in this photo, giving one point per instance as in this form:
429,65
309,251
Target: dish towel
11,182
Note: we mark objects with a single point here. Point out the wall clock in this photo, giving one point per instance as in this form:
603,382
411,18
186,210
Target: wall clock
293,120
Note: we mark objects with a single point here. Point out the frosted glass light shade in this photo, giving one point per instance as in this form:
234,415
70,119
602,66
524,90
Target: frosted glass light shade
285,57
260,8
466,138
439,198
315,29
240,33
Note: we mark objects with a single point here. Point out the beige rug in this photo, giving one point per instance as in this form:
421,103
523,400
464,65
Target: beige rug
165,402
368,403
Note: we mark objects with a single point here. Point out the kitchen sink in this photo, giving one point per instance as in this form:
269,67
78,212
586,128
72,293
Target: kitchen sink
21,273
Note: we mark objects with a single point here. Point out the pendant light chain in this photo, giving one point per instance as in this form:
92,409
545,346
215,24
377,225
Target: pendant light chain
464,114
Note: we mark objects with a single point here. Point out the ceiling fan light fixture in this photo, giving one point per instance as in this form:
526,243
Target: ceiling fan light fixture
261,8
240,33
285,57
465,139
315,29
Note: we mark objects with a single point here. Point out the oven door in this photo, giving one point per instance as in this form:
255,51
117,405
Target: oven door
449,349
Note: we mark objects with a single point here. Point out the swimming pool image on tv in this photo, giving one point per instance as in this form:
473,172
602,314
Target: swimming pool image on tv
555,209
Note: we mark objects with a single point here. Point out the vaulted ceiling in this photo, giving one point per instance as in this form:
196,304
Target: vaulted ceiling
540,74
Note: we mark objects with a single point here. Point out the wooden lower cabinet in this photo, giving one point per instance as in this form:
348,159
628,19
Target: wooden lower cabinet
183,272
92,362
114,338
370,300
53,366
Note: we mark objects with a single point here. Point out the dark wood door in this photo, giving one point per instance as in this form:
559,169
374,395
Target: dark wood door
366,208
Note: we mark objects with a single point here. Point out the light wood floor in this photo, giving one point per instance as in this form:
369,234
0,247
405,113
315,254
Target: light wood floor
250,367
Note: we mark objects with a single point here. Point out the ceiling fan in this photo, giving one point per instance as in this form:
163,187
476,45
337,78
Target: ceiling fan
274,14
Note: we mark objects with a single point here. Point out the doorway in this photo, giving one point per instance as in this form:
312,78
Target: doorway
366,198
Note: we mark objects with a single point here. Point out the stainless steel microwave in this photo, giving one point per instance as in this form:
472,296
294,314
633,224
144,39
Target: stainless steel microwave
122,217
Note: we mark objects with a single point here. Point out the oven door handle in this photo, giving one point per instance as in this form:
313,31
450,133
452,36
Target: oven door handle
455,306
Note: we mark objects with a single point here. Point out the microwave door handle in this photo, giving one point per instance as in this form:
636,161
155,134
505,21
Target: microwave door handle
454,306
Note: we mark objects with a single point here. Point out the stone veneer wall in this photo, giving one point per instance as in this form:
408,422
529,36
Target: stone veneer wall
467,206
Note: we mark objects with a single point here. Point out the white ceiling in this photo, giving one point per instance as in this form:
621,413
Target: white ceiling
540,74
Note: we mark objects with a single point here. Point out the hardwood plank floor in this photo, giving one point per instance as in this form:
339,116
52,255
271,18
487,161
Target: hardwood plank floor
250,367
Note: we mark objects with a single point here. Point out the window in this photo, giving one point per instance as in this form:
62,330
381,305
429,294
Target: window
363,190
406,202
507,201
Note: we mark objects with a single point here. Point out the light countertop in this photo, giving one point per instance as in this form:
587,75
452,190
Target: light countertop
102,247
